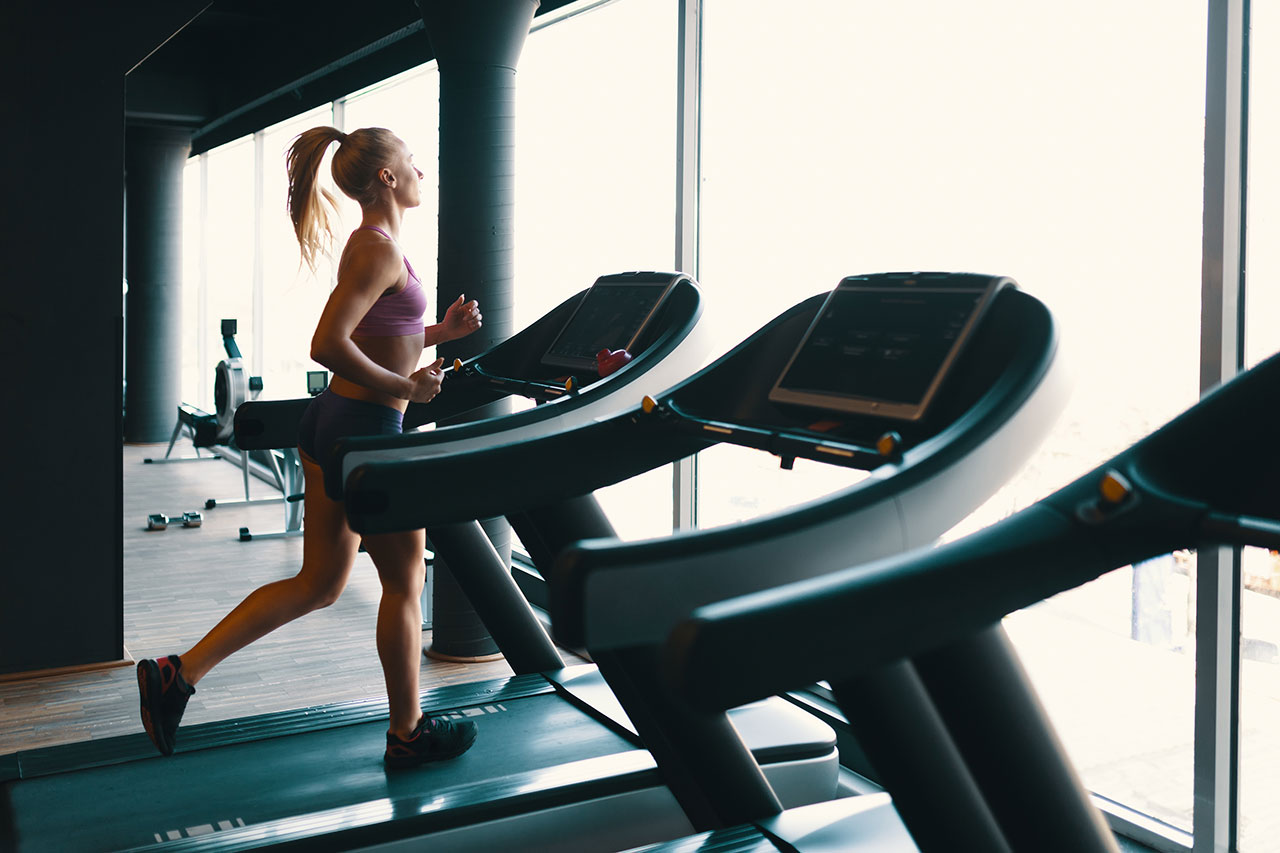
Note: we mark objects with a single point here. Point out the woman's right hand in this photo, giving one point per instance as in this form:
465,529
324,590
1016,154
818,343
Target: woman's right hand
424,383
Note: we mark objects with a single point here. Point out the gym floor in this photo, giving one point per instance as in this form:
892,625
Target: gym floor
179,583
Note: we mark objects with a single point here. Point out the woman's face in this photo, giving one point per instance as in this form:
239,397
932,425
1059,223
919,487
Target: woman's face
408,183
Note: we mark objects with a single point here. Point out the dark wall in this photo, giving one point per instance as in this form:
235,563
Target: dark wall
61,564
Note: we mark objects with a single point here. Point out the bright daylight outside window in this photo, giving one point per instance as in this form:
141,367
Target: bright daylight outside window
228,275
1260,612
595,180
292,296
857,137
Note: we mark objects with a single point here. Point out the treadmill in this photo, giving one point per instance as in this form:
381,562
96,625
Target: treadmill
243,783
653,316
928,623
938,384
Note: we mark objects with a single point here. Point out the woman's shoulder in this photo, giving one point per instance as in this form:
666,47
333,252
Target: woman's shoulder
372,246
371,256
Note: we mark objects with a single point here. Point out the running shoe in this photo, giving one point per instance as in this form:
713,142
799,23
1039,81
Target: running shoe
434,739
164,696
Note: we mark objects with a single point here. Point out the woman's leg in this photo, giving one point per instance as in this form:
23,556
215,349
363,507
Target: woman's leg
399,560
329,550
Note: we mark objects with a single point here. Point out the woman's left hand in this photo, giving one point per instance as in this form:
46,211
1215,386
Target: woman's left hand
461,318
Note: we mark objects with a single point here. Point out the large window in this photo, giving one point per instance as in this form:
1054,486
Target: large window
229,260
853,137
595,179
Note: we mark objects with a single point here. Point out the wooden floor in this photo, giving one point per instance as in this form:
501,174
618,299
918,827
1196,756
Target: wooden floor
179,583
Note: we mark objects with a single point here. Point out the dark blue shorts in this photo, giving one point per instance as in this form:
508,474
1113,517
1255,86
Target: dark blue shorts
331,416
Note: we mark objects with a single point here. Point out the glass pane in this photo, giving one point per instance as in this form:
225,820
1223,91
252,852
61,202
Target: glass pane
737,484
229,253
595,154
292,295
595,179
640,508
1004,137
1260,616
1114,663
1260,701
1262,291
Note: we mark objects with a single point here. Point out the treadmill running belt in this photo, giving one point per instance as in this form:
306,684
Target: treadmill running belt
158,799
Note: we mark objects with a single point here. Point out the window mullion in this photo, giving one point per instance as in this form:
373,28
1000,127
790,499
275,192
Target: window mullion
1217,711
684,498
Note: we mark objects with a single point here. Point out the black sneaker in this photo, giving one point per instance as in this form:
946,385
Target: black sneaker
434,739
164,697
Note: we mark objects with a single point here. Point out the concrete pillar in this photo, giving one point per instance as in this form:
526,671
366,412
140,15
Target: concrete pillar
477,45
154,160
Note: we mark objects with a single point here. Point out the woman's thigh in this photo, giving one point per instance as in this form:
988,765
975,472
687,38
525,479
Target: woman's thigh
329,545
400,560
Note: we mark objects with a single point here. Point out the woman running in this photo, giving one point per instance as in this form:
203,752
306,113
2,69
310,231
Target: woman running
371,336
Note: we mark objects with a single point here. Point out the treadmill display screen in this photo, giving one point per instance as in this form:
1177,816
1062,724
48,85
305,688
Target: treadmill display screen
883,346
610,316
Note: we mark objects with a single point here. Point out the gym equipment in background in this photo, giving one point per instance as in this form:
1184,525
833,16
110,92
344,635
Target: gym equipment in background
160,521
286,464
231,387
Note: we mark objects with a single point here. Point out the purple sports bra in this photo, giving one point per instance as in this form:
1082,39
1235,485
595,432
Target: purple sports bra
398,313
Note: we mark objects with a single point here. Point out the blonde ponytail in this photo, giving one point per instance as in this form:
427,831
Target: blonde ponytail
313,208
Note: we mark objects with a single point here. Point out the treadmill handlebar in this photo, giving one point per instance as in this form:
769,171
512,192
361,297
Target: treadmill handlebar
1242,530
653,435
532,388
669,345
786,444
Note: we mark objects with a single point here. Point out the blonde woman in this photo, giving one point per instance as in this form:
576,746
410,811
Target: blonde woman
371,335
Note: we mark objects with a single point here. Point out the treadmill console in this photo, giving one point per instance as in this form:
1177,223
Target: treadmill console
612,315
883,344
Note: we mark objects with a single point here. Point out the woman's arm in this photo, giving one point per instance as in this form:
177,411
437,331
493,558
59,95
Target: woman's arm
460,320
367,272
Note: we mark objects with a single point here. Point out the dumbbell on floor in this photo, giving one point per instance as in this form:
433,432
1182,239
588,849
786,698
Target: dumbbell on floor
160,521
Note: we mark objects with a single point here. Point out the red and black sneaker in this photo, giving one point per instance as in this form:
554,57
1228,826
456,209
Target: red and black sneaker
164,696
434,739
